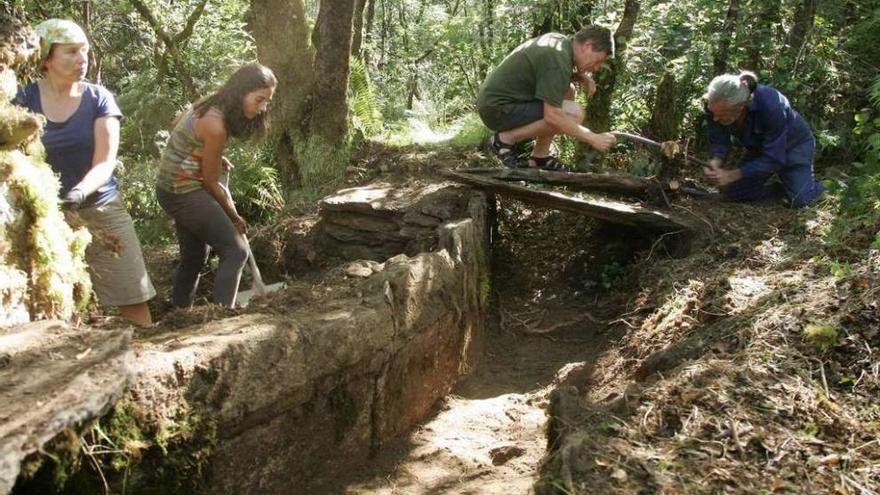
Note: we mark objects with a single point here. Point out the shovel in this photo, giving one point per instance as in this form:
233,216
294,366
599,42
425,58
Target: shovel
258,288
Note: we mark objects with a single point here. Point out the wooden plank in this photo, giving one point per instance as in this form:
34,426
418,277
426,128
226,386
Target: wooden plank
601,208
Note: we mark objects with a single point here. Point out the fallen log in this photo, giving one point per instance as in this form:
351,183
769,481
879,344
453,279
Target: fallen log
618,184
601,208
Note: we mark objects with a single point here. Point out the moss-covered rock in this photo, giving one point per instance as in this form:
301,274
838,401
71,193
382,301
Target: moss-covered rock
39,244
129,452
42,260
18,127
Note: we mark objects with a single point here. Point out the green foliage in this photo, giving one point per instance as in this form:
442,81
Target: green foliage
254,182
858,226
321,166
469,132
137,178
821,337
643,165
362,100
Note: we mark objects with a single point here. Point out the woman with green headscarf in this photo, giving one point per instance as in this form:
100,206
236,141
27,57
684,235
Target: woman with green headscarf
81,139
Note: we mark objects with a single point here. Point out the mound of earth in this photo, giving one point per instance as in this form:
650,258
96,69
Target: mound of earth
749,366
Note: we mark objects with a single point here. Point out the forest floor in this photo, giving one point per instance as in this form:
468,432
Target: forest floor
748,364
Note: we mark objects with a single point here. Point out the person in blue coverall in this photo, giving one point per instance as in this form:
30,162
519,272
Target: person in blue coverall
777,139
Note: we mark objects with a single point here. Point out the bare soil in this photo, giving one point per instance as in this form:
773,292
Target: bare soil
547,328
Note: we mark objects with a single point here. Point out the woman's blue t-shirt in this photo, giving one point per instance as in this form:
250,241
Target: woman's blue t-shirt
70,145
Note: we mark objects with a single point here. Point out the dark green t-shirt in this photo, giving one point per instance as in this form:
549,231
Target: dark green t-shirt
539,69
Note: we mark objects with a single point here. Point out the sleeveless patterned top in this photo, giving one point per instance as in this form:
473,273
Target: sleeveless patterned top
180,169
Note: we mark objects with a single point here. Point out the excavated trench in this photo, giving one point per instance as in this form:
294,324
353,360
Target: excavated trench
413,353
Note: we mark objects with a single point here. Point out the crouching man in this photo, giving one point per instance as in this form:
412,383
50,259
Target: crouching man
530,95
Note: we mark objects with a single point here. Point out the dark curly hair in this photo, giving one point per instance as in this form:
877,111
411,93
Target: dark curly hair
229,99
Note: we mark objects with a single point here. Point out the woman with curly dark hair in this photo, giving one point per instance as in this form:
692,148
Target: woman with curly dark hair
192,182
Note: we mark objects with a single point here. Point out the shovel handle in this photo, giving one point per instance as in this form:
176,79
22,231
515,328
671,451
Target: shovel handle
259,287
654,144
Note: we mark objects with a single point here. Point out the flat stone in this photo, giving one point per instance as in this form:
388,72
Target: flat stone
500,455
362,268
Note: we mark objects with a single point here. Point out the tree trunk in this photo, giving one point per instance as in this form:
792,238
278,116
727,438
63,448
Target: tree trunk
384,38
368,29
487,35
763,34
598,112
358,27
665,116
281,35
719,61
412,89
326,109
804,18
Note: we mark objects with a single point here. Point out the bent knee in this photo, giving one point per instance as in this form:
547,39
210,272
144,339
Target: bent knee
235,252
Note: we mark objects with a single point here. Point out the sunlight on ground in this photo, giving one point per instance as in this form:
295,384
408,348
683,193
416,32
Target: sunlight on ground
421,132
451,453
744,292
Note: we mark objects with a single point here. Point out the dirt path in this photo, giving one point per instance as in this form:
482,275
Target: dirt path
488,437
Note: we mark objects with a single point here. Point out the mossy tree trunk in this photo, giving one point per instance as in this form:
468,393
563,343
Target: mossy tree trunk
358,27
325,111
599,110
665,116
282,39
310,112
804,18
719,59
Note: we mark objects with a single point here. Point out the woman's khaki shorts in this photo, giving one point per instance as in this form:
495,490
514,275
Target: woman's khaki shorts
116,263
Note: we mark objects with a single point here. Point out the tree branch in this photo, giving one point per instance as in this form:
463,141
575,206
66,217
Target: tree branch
190,23
171,45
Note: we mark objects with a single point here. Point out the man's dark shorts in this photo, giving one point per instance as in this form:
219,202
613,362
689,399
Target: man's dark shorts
512,115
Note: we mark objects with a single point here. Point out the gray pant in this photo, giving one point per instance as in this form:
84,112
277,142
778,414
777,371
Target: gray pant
200,222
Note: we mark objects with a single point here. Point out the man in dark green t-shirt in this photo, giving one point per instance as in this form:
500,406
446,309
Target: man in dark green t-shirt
530,95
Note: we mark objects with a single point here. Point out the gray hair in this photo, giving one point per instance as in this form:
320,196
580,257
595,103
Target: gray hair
732,89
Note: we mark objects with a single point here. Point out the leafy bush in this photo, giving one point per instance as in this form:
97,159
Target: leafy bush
363,101
859,220
254,183
137,177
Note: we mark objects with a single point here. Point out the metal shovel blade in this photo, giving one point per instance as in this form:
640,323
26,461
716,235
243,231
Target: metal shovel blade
244,297
258,288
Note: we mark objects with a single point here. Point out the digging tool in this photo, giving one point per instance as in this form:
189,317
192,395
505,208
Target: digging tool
258,287
666,148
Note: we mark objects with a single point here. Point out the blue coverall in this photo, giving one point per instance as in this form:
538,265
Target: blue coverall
778,141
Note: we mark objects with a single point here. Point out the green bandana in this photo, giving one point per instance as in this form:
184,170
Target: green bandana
58,31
